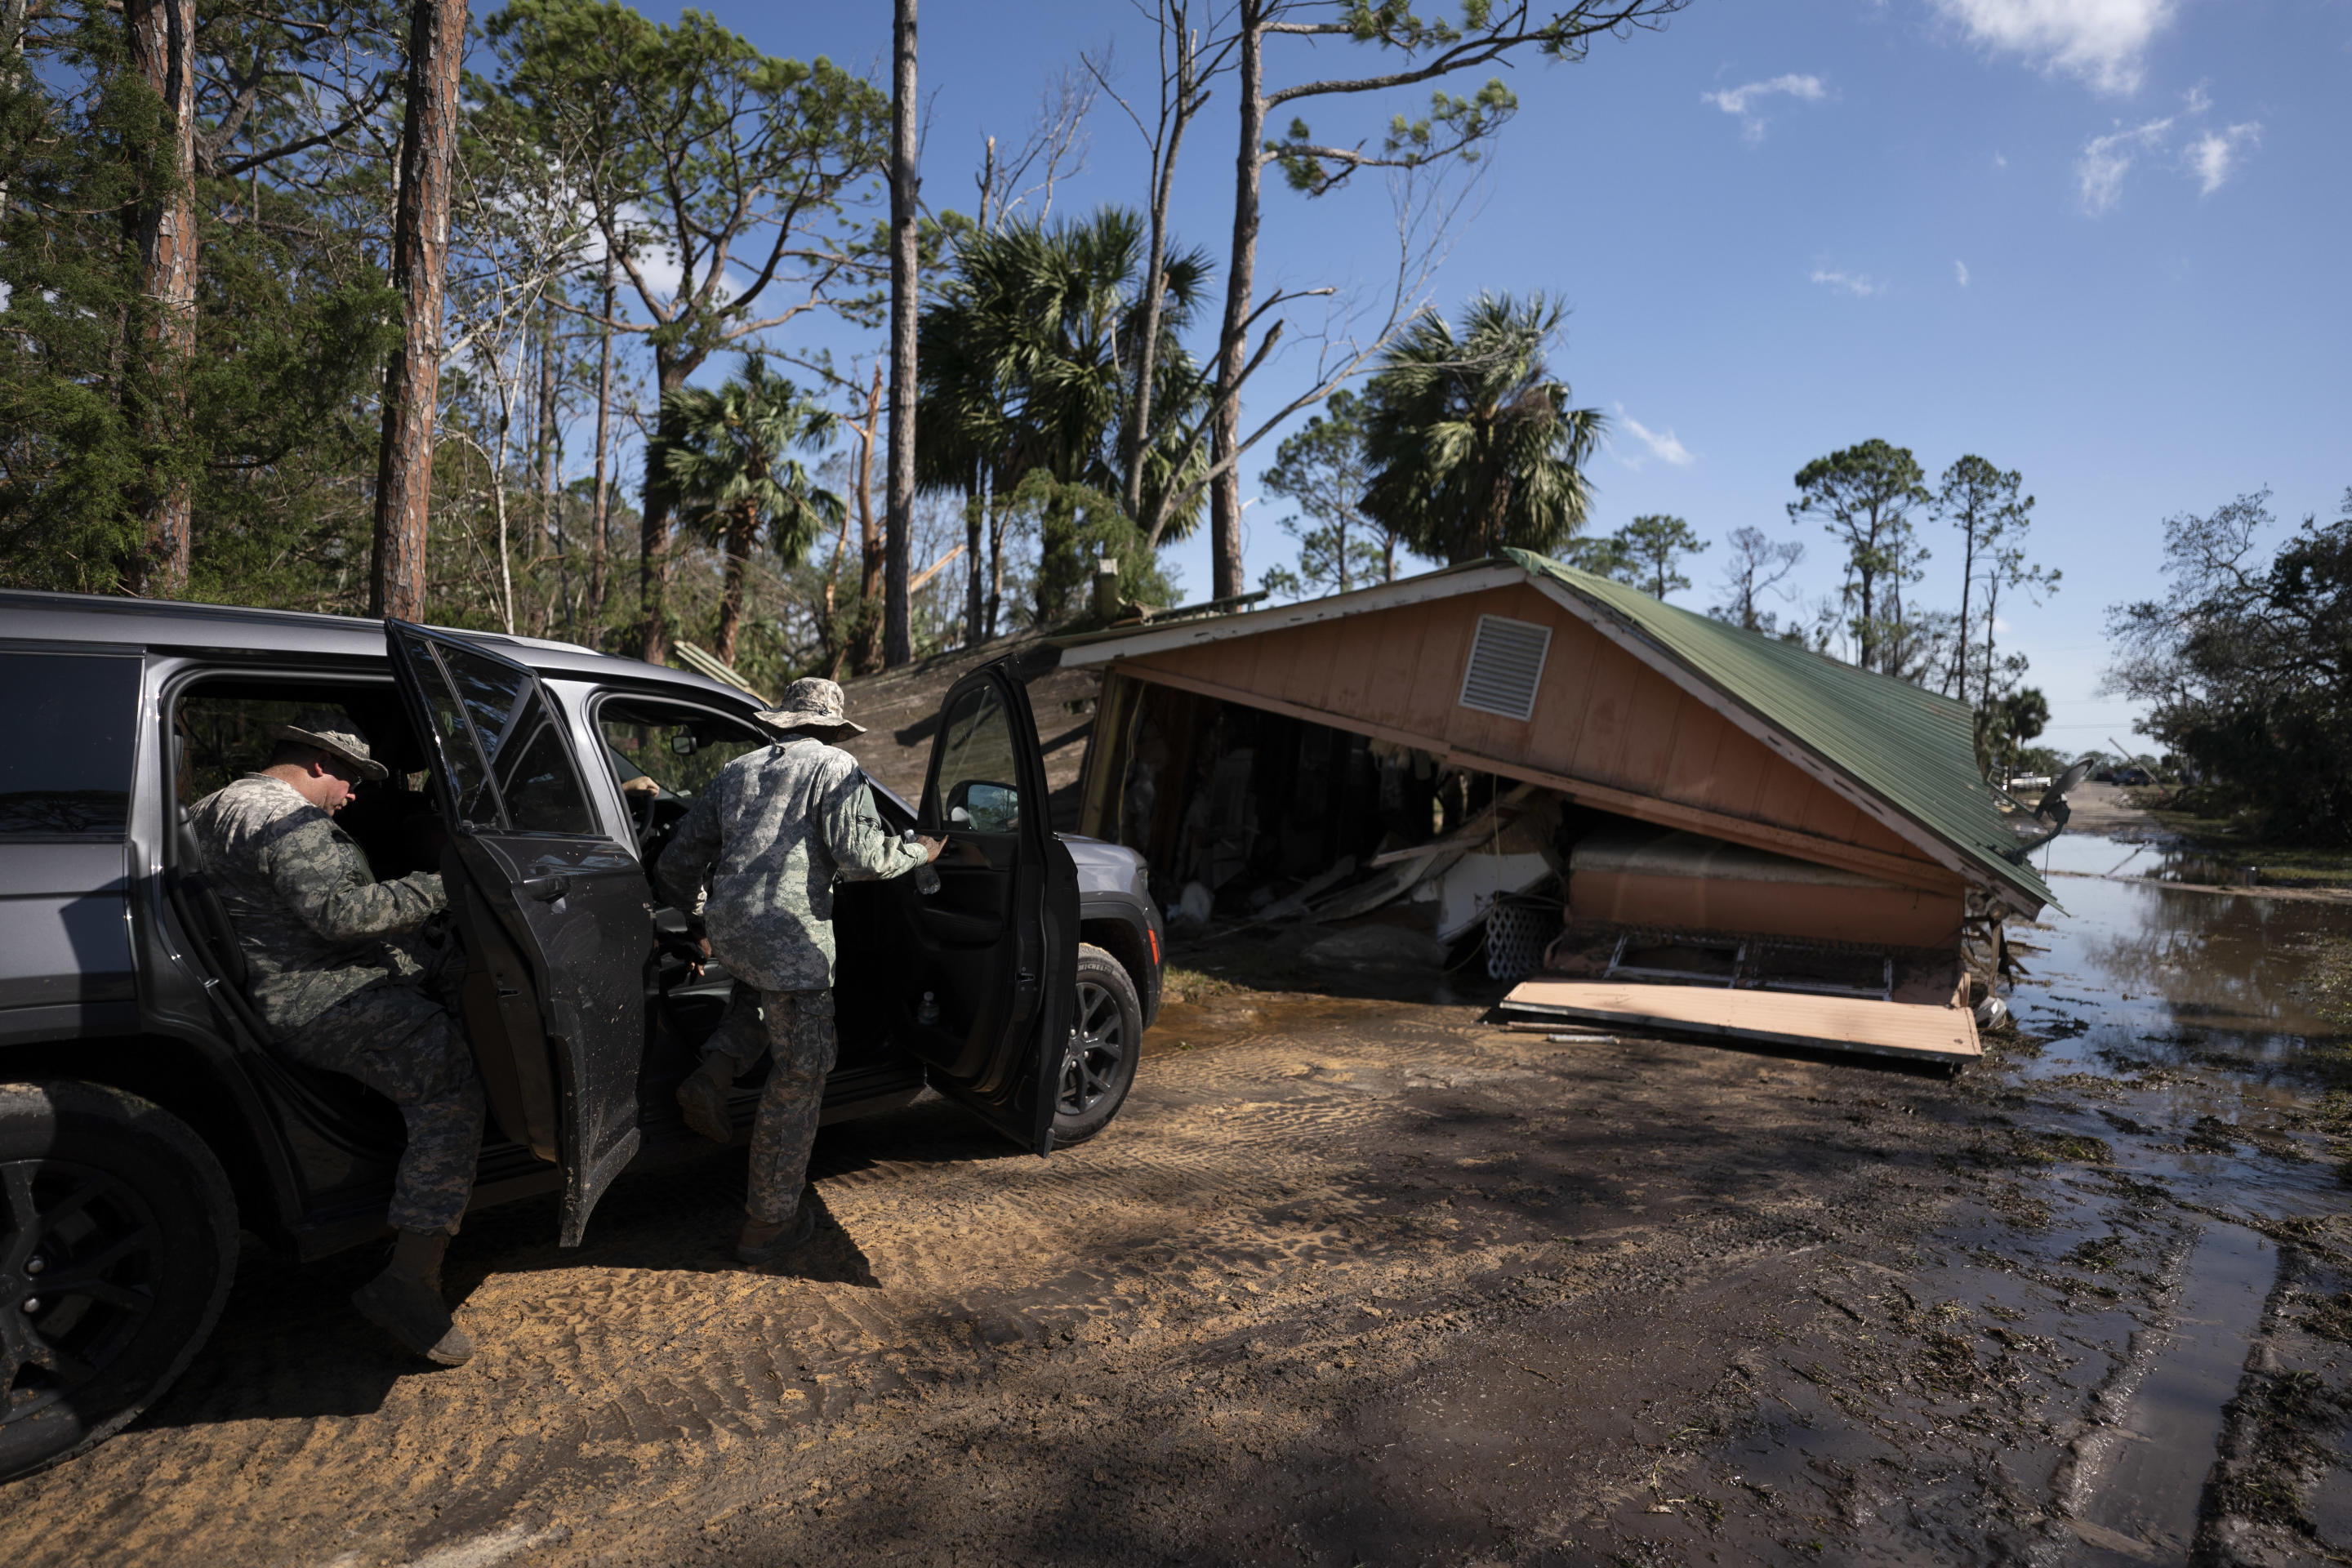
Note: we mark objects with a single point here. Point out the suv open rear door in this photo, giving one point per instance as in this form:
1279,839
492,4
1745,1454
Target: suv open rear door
992,950
554,914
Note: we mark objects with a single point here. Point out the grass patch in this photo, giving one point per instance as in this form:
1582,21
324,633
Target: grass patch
1182,982
2238,835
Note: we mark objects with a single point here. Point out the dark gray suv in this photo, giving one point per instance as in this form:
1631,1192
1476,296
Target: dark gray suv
145,1119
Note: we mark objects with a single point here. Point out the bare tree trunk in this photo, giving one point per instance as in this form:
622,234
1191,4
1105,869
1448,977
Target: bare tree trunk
548,476
865,648
604,447
1176,116
550,447
898,642
1241,283
162,45
13,14
420,252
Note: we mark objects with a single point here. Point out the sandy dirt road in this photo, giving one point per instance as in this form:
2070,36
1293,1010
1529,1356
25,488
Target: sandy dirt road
1350,1281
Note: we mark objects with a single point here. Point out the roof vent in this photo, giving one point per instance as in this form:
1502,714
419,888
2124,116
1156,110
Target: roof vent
1507,660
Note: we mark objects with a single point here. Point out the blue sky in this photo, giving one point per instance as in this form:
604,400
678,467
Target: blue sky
2102,242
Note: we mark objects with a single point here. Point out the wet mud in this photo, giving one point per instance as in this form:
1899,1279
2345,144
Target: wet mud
1363,1278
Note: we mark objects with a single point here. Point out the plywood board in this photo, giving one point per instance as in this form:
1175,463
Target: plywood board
1909,1030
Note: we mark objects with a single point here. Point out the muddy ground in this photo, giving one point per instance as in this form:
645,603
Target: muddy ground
1362,1278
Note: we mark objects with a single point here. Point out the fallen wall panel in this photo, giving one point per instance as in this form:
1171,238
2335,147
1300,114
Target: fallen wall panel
1906,1030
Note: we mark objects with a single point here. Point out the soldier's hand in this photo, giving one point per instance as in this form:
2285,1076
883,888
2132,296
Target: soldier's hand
931,847
695,969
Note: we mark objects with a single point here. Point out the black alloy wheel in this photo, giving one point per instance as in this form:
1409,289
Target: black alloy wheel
117,1245
1105,1038
78,1278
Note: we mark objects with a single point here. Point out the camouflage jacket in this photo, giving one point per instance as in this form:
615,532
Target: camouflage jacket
757,856
311,917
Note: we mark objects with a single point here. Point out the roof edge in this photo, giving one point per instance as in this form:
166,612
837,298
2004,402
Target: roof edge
1469,577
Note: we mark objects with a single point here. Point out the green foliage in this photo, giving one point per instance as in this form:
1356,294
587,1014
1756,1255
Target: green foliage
1027,358
1864,497
1323,470
1475,446
2247,662
1077,525
268,421
726,459
1654,548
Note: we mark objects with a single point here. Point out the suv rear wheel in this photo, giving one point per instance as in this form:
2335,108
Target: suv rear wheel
118,1240
1100,1067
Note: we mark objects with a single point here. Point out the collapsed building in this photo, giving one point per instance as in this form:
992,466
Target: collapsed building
1680,822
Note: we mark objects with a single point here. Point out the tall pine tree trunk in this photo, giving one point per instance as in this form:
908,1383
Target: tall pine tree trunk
898,643
420,253
551,453
603,451
163,46
865,642
1241,283
975,508
653,533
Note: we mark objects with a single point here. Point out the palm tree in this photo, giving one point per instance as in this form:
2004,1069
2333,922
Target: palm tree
1473,444
728,474
1028,359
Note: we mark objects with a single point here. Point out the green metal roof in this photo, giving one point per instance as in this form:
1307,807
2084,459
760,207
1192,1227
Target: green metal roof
1915,749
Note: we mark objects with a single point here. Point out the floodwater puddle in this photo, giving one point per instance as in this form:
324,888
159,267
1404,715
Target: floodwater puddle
2149,1489
2175,1026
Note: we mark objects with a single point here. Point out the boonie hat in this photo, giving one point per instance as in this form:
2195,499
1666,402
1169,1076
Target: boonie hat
334,734
814,703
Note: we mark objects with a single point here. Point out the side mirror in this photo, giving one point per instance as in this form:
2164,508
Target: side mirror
684,743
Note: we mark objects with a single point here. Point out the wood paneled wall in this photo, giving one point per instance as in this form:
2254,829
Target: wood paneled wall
1601,718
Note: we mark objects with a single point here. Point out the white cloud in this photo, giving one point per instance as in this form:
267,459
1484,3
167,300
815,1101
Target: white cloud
1661,445
1860,285
2100,41
2000,159
1961,271
2107,159
1740,102
2212,156
2195,98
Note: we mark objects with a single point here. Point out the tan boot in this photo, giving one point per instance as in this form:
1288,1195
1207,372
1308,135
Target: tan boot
404,1300
762,1241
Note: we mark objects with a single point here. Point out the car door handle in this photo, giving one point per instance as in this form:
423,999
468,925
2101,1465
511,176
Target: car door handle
546,890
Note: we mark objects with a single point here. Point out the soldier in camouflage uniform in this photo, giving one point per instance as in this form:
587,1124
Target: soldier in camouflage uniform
753,867
340,992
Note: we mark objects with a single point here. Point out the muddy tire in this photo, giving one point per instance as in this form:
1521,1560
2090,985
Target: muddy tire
118,1240
1107,1035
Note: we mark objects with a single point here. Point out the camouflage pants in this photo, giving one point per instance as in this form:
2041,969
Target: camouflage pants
796,1027
404,1045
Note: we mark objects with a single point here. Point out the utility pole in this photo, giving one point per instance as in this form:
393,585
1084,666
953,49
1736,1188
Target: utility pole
898,639
420,254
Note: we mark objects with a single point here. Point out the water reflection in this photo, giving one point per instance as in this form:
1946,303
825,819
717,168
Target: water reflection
2187,1012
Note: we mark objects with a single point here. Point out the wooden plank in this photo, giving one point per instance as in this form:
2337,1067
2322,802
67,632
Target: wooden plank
1906,1030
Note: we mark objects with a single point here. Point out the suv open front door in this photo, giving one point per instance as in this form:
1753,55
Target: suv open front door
554,914
993,951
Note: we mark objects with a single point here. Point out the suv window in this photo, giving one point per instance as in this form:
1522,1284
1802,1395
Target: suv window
65,772
978,793
486,699
678,749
